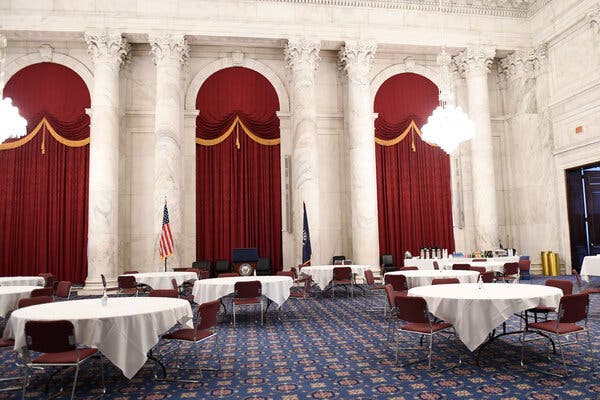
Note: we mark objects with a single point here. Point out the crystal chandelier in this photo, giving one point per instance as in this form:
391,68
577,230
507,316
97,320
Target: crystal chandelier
12,125
448,126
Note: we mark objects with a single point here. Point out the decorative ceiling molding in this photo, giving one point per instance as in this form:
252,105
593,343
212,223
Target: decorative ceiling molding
497,8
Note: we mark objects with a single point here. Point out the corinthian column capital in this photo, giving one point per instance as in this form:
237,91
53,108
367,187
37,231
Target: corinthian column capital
302,54
524,63
107,47
475,60
356,60
167,47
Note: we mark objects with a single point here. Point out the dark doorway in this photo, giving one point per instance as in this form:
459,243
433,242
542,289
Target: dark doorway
583,199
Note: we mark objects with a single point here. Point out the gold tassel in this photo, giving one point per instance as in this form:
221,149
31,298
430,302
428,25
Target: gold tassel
412,137
43,146
237,136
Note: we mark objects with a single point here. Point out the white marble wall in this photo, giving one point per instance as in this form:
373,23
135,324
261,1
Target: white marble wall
567,96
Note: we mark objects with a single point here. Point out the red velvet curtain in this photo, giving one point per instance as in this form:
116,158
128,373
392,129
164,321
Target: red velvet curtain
44,195
414,189
238,188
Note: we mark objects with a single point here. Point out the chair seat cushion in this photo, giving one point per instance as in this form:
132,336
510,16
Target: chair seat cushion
377,287
129,291
66,357
541,309
187,334
252,300
424,327
7,343
550,326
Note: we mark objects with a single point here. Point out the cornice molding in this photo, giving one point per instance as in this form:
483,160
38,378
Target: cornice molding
496,8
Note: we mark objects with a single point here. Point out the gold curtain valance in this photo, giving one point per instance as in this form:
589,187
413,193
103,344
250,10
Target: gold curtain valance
412,128
44,126
237,124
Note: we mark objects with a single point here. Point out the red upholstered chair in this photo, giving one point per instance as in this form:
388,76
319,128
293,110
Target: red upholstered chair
105,285
414,319
182,290
581,286
510,273
571,319
227,275
204,330
180,269
479,260
564,285
172,293
32,301
408,269
127,285
48,279
436,266
487,277
373,286
398,282
342,276
63,290
247,293
46,291
461,267
481,270
57,342
444,281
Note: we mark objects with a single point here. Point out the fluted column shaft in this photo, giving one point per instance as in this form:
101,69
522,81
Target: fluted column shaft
170,53
108,51
302,57
476,62
356,59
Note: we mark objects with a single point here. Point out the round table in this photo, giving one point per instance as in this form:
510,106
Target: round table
475,310
22,281
424,277
275,288
10,296
124,330
323,274
162,280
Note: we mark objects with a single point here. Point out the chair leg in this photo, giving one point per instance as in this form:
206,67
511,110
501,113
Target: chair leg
198,360
75,381
261,313
430,351
562,355
25,381
102,373
233,309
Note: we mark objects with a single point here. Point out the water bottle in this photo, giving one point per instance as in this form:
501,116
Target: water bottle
104,299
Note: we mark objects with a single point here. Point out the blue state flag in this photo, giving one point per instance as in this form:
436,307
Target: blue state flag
306,249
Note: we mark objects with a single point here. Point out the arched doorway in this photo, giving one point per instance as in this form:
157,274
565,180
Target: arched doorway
44,184
238,178
413,177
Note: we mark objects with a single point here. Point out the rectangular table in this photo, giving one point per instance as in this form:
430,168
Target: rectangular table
428,262
274,288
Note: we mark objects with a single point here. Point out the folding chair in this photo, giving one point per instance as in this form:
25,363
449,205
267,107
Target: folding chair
444,281
342,276
247,293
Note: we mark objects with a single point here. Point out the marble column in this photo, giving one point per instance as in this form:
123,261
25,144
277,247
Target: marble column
532,212
476,62
356,60
108,50
302,57
170,54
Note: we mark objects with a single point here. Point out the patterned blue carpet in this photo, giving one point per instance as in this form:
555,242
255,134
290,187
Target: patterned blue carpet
338,352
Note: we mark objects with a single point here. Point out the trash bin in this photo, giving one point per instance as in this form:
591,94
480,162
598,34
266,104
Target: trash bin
546,262
554,264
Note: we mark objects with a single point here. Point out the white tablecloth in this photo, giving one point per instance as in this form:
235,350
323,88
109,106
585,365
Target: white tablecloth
323,274
123,330
275,288
496,266
22,281
476,312
10,296
428,263
162,280
424,277
590,267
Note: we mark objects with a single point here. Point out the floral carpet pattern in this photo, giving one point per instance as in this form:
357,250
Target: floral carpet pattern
323,348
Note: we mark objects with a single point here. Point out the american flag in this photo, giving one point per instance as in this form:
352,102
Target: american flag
165,244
